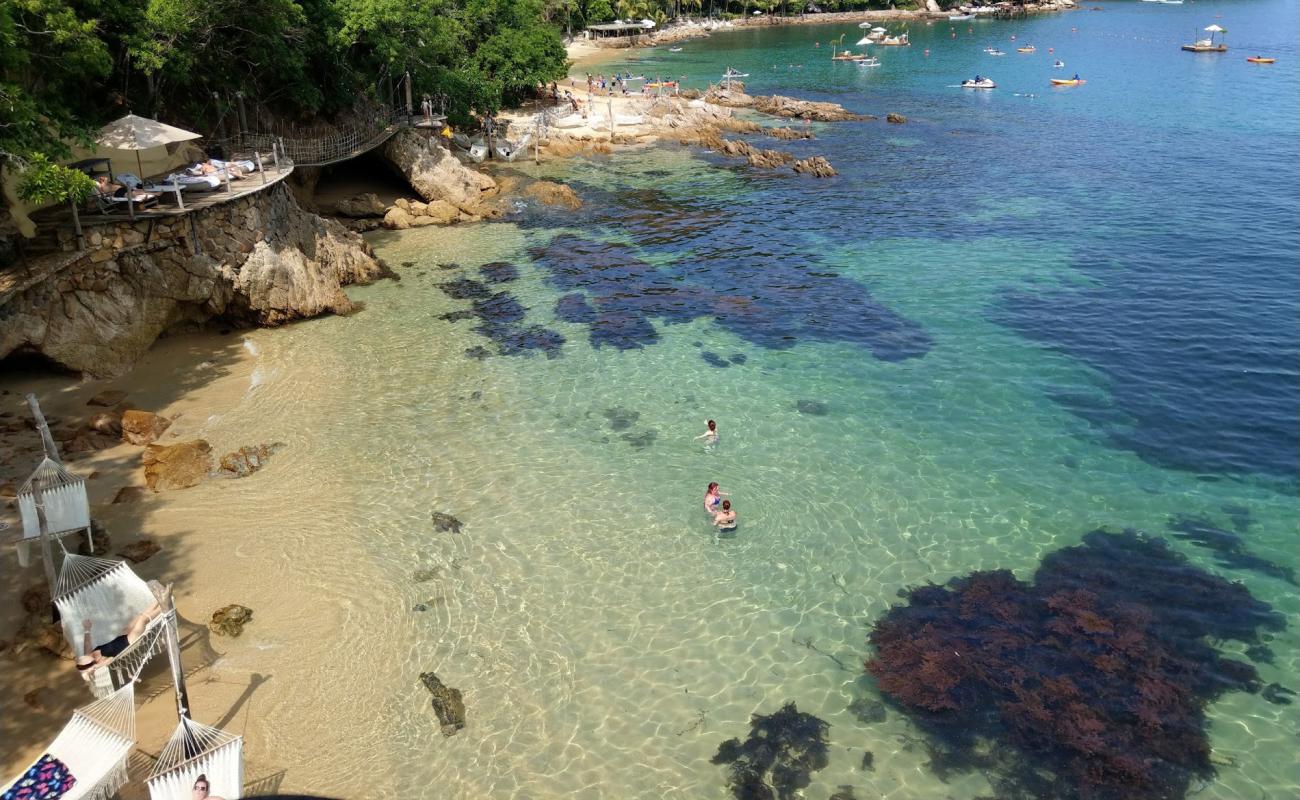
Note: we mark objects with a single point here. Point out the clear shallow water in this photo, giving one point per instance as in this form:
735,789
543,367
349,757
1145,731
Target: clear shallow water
1007,323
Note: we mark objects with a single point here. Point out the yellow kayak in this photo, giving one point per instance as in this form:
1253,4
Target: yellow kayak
1066,82
1260,60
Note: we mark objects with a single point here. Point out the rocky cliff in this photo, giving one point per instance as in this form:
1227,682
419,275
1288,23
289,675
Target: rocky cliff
259,259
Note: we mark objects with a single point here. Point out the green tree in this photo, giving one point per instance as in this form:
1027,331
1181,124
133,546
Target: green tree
43,181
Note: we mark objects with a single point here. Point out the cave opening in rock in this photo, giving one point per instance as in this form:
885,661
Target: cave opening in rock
24,364
365,173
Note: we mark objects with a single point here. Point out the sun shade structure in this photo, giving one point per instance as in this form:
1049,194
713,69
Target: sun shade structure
140,133
93,747
109,594
196,749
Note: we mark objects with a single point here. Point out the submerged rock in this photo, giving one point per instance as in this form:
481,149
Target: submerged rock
177,466
248,459
108,397
141,550
448,703
445,522
553,194
230,620
868,711
816,166
897,119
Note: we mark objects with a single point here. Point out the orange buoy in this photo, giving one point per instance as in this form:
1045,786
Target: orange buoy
927,51
1051,49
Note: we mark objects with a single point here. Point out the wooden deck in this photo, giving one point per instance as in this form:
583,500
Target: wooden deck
166,205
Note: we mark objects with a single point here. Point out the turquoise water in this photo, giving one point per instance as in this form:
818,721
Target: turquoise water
1022,316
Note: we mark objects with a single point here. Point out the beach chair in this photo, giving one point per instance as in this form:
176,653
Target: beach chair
87,760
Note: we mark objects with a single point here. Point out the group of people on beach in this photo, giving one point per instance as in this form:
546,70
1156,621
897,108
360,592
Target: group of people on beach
724,516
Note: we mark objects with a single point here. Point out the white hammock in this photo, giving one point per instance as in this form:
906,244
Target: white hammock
94,746
110,594
196,749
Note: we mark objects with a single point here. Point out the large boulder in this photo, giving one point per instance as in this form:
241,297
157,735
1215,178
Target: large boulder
142,427
815,166
435,173
177,466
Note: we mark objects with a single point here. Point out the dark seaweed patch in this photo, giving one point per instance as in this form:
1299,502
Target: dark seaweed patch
778,758
620,419
776,301
739,358
813,408
478,352
465,289
499,272
457,316
868,711
641,440
713,359
449,265
500,308
573,307
1277,694
1090,682
1230,551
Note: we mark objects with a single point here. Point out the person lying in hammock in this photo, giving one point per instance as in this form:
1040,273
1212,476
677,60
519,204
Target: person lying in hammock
103,654
201,789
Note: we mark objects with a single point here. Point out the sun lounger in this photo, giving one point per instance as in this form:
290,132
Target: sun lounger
195,183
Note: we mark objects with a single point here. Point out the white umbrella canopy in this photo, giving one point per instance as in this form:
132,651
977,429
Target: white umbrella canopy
141,133
1215,29
878,30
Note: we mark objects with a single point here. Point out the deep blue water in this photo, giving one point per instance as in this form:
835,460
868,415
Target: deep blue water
1168,182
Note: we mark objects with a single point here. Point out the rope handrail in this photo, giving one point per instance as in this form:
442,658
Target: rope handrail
344,143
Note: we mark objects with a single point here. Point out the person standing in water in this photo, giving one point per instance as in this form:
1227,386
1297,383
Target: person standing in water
725,519
713,498
710,435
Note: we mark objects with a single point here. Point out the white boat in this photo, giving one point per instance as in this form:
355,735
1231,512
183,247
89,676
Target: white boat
865,40
674,49
477,152
571,121
1058,64
960,17
982,83
993,51
731,73
509,151
869,62
628,119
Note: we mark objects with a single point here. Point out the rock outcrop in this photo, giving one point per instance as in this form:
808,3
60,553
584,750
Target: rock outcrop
414,214
362,205
781,106
436,174
815,166
177,466
259,259
553,194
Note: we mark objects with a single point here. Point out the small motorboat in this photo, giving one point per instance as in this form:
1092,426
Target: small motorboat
1068,81
960,17
733,74
1260,60
895,41
993,51
674,49
1029,48
509,151
1058,64
869,62
846,55
978,83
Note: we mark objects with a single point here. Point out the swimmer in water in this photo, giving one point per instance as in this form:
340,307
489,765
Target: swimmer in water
713,498
725,519
711,435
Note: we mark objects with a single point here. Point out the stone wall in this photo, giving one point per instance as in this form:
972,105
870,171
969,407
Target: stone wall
259,260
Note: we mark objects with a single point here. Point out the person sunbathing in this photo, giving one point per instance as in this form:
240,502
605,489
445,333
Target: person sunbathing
108,188
105,653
